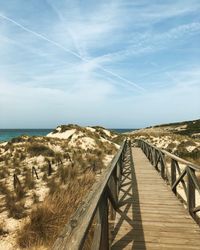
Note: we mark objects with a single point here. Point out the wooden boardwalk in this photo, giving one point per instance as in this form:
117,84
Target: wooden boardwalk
149,214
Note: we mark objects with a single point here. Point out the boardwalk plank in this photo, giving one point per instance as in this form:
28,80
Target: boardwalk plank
150,216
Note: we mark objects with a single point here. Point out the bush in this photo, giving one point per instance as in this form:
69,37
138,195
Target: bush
37,149
19,139
15,208
20,192
29,181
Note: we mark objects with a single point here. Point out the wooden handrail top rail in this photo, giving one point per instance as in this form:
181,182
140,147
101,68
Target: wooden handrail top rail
75,231
175,157
173,175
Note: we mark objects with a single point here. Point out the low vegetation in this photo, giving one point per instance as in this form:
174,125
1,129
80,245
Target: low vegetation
188,128
44,179
49,217
37,149
180,139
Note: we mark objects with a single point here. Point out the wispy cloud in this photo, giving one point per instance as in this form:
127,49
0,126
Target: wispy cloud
98,56
71,52
151,42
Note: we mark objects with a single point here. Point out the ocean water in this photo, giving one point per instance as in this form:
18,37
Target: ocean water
8,134
122,130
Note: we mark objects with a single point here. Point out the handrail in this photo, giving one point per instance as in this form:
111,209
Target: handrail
95,210
174,175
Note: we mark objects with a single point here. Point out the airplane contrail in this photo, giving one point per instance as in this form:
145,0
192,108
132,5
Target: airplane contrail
69,51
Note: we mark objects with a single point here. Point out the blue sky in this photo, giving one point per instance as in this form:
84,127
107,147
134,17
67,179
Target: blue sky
116,63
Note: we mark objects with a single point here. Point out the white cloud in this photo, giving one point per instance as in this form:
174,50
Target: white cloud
86,58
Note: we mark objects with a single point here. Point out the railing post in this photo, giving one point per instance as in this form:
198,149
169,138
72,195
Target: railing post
173,174
97,233
113,195
153,156
163,165
190,192
157,157
103,210
16,181
34,171
118,174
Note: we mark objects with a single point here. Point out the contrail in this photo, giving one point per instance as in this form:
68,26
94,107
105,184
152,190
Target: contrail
42,37
69,51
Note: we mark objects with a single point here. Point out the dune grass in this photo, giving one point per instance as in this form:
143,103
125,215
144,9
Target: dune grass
66,173
48,218
37,149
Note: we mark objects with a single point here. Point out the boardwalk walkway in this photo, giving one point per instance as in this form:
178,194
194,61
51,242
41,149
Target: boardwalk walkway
149,215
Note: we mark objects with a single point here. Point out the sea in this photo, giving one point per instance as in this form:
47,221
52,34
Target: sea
8,134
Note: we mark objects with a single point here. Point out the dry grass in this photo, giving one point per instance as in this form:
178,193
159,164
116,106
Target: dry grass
29,181
13,201
36,149
95,162
48,219
2,230
67,173
4,172
14,206
2,158
177,144
45,177
15,162
3,188
19,192
52,185
35,198
17,171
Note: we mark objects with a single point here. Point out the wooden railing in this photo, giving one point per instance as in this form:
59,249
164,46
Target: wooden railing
177,172
93,215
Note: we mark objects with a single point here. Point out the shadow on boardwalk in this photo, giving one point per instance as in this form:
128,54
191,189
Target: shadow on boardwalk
129,209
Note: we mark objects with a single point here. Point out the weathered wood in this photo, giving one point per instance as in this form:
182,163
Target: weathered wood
176,158
190,168
163,166
196,209
178,180
182,179
103,209
16,181
75,232
97,233
190,192
144,145
112,189
173,175
144,209
194,179
34,172
49,170
150,216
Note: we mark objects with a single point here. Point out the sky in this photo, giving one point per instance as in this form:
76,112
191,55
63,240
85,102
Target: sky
114,63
